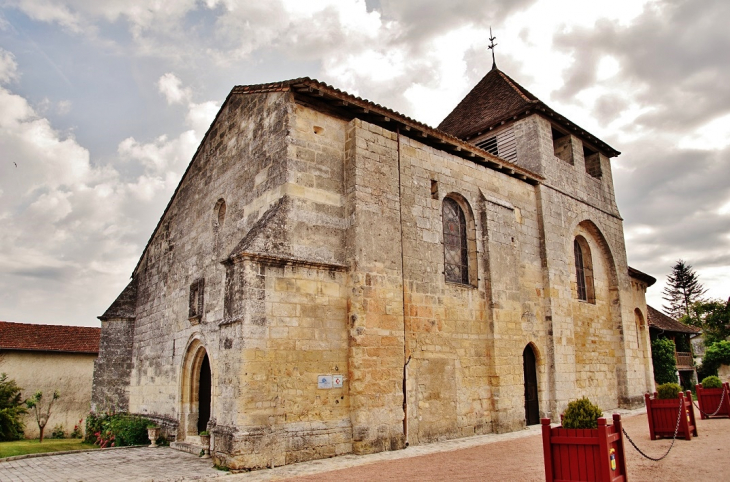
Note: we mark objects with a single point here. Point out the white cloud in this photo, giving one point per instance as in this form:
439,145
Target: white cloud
171,86
714,135
8,66
71,229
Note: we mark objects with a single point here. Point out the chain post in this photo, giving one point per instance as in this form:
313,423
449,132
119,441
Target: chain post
676,430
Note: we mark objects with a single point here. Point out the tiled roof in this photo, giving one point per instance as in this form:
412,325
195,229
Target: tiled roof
72,339
125,305
660,321
498,98
641,276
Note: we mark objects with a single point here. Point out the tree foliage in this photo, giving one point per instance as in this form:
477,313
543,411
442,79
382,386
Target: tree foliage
683,288
11,409
41,416
716,354
713,316
665,365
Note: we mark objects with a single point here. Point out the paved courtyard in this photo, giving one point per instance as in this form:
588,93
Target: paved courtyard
512,456
132,464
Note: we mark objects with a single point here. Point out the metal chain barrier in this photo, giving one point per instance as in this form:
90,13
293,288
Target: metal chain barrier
676,430
718,407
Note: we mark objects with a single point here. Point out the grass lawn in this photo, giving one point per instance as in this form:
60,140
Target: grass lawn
22,447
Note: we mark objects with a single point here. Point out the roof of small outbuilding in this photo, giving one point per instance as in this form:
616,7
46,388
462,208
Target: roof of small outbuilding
69,339
660,321
497,98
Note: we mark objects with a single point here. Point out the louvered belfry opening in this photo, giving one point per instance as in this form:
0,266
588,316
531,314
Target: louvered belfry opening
456,258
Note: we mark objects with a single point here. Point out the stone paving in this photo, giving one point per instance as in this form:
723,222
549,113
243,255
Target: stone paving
165,464
133,464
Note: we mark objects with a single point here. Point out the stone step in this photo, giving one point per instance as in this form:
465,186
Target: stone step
191,448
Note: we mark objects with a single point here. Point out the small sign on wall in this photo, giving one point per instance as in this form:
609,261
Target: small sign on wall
324,381
337,381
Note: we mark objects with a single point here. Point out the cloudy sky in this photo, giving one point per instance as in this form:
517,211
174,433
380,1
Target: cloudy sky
103,102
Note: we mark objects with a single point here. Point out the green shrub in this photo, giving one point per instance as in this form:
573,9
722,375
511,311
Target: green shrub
668,391
581,414
11,409
117,429
711,382
716,354
665,365
58,432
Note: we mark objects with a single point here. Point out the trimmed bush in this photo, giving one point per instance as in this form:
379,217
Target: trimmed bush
665,365
668,391
711,382
581,413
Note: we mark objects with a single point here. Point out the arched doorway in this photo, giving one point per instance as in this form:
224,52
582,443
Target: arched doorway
204,391
532,405
196,390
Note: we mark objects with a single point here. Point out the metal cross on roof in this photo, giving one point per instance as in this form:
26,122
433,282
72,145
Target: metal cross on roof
491,47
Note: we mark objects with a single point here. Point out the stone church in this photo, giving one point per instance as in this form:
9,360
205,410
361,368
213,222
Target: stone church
333,277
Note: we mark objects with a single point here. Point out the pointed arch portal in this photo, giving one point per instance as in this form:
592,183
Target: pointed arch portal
196,390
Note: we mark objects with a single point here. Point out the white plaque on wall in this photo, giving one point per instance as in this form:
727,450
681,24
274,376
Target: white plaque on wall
324,381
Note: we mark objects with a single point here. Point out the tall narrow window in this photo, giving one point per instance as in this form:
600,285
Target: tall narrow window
583,270
456,255
580,271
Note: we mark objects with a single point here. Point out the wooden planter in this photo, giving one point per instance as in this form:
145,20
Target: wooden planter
662,415
584,454
709,399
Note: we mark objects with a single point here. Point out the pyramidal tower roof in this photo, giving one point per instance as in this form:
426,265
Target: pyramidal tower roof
498,98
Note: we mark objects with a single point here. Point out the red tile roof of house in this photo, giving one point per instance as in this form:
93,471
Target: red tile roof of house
70,339
660,321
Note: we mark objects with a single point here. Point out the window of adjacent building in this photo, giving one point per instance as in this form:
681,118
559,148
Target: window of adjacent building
195,301
583,270
562,146
456,254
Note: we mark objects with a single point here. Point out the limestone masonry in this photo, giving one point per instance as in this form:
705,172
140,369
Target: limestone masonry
332,277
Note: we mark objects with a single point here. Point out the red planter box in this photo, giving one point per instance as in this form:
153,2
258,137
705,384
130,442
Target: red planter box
709,399
662,415
584,454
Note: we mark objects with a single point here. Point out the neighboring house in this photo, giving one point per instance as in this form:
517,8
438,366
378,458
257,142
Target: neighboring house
332,277
47,358
661,325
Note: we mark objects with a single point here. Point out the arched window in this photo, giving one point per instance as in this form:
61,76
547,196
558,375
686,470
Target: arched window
220,213
583,270
456,253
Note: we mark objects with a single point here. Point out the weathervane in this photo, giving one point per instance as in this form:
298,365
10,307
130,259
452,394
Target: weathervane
491,47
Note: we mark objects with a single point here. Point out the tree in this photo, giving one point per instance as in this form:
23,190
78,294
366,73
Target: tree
713,316
11,408
40,417
683,288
